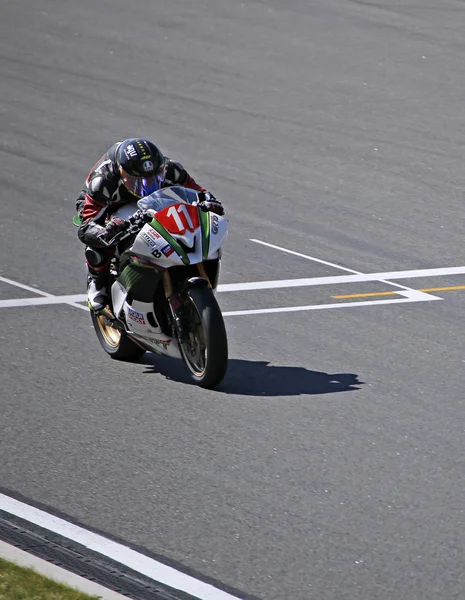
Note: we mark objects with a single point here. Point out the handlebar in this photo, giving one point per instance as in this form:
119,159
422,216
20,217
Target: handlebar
135,223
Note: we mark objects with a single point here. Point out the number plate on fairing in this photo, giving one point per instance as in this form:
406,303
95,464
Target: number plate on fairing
179,218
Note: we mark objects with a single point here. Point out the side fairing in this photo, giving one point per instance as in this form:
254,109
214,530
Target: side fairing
218,234
150,244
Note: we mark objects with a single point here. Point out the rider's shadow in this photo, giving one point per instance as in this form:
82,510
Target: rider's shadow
260,378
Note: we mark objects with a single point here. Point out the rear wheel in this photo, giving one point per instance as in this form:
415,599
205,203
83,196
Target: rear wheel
205,351
114,341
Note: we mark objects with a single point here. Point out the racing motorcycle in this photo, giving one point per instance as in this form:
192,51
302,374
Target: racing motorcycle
163,279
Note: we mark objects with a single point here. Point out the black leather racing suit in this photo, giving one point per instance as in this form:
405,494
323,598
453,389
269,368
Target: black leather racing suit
102,194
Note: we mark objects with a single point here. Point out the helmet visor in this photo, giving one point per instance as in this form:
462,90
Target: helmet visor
141,186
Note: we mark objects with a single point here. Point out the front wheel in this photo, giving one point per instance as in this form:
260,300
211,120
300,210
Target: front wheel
114,341
205,351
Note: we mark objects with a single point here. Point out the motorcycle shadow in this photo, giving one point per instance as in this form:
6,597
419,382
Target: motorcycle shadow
260,378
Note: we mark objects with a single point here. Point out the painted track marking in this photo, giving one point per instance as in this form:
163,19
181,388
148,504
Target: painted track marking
437,289
406,291
339,279
136,561
261,311
418,295
46,297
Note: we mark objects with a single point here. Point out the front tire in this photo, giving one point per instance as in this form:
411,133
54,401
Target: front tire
205,353
114,341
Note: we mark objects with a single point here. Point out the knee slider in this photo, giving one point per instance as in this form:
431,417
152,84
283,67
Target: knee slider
95,258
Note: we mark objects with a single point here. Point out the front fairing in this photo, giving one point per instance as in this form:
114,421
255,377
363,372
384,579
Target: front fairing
154,247
179,234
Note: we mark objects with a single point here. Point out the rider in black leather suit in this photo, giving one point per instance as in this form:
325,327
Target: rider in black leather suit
129,170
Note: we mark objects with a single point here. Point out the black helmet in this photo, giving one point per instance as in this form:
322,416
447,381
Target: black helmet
141,166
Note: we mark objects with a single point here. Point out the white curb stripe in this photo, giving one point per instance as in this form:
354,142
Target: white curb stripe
122,554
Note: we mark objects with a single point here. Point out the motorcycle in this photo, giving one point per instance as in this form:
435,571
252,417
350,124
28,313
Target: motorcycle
164,275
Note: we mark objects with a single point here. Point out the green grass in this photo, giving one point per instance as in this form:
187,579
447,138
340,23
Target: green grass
17,583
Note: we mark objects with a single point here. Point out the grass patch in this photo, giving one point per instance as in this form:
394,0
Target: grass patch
18,583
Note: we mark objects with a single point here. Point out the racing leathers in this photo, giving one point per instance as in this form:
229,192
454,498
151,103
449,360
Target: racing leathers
101,195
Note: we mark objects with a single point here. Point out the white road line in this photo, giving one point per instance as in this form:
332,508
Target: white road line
264,311
11,303
25,287
140,563
46,299
407,291
72,300
312,258
338,279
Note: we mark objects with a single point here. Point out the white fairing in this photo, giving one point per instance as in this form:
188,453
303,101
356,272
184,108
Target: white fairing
118,297
150,246
138,324
218,234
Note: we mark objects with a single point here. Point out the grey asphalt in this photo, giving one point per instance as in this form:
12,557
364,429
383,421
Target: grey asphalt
329,464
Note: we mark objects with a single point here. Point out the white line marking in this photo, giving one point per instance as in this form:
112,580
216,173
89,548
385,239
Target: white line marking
71,300
262,311
47,298
122,554
416,293
25,287
318,260
338,279
411,294
44,301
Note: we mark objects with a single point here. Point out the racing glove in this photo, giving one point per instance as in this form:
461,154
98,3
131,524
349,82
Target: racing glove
113,227
208,202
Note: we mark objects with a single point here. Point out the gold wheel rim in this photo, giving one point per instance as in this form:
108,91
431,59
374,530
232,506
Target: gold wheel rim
111,335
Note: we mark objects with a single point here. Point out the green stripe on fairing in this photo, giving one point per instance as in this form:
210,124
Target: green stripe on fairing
170,239
205,226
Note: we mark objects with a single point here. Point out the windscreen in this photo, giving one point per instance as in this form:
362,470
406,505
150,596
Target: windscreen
167,197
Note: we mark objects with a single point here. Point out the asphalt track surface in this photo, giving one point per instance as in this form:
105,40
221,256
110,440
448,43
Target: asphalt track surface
329,464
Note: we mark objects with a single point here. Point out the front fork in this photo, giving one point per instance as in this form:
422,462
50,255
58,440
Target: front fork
175,302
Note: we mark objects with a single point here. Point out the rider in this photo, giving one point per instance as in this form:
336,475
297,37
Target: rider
129,170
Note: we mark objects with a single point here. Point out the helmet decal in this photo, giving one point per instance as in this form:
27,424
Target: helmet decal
148,166
130,151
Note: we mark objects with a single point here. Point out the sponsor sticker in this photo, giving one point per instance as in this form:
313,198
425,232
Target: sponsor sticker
167,250
150,238
136,316
130,151
215,222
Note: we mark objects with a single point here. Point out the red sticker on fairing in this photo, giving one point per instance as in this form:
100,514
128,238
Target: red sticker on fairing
179,218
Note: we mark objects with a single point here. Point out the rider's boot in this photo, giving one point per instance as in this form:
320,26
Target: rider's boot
97,290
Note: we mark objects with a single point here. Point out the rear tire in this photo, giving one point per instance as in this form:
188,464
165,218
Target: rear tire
205,354
114,341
